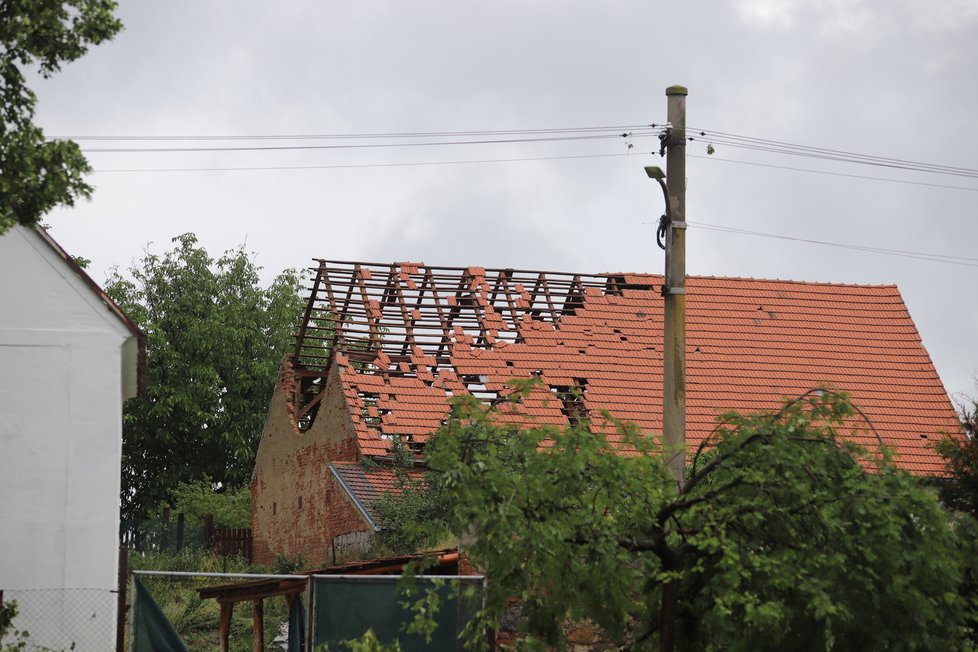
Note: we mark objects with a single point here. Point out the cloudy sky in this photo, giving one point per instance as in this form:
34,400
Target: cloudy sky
889,78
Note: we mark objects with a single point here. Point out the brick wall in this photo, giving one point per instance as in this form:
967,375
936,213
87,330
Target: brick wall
297,505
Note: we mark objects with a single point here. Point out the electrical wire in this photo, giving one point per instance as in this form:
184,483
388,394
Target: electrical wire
255,148
352,136
832,174
932,257
367,165
807,151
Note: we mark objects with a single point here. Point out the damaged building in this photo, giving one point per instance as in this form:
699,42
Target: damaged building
382,347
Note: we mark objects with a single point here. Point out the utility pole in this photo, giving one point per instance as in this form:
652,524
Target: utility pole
674,289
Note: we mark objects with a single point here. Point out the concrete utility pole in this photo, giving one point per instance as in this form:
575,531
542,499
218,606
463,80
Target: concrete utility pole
674,290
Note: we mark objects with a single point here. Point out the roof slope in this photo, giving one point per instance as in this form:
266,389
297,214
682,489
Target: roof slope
407,336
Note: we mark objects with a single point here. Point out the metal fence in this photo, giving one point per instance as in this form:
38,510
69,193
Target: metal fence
177,532
256,609
63,619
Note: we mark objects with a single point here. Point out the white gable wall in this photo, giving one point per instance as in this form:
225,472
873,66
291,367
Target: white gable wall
62,355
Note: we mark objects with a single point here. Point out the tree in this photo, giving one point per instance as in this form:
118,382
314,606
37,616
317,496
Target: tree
215,340
783,536
959,493
39,174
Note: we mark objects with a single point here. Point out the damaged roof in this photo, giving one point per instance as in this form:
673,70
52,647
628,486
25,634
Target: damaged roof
407,336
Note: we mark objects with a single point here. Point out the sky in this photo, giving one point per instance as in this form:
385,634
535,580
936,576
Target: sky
877,77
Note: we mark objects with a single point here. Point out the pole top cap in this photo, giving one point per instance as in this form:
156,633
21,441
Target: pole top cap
677,90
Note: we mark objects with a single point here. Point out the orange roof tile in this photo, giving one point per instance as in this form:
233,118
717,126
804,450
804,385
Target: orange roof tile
750,343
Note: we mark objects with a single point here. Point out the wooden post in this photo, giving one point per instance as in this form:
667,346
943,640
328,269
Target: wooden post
165,526
208,527
674,290
311,613
226,609
258,625
180,526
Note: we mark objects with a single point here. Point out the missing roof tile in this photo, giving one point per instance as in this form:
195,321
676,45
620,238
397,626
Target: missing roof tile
572,400
476,386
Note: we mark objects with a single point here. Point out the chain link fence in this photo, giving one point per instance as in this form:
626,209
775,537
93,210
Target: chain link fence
63,619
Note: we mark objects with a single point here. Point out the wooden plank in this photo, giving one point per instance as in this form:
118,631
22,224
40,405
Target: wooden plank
258,626
226,609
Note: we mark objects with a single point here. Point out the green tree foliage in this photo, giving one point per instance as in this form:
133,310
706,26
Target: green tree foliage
200,498
215,339
41,34
782,536
959,492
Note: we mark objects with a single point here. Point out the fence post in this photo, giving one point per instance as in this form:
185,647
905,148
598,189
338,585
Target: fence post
120,618
165,526
310,629
180,525
209,530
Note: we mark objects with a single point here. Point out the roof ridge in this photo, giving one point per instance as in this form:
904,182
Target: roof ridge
486,268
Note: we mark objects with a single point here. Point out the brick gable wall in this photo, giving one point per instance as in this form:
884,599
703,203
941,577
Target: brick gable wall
298,507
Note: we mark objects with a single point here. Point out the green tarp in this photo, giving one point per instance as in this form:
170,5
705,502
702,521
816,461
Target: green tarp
346,608
153,632
297,627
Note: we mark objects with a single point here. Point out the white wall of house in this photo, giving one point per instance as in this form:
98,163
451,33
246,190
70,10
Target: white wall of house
67,362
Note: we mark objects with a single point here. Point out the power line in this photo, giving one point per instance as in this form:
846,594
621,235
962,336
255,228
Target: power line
367,165
550,134
807,151
940,258
795,146
833,174
352,136
255,148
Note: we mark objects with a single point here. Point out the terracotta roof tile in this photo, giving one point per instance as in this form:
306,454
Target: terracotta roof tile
750,343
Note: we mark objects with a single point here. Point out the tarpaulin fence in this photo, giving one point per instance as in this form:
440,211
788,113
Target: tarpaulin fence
333,608
197,620
345,606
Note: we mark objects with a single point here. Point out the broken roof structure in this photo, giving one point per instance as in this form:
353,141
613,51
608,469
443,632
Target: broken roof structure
381,347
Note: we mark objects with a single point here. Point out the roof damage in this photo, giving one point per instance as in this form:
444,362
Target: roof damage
406,336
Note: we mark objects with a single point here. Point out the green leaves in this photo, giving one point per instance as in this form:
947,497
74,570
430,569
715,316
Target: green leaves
38,174
215,339
784,535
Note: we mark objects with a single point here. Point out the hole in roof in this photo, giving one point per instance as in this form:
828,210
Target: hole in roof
572,400
476,386
369,411
309,390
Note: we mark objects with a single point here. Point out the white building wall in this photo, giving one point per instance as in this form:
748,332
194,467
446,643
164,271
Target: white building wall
62,354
